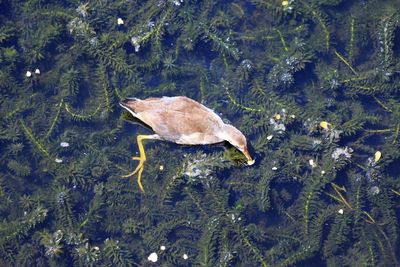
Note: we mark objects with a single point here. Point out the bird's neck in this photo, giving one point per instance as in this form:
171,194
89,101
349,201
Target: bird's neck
227,132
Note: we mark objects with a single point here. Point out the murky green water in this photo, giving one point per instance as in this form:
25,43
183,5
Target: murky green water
314,86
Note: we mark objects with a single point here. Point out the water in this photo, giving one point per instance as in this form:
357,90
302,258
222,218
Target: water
312,84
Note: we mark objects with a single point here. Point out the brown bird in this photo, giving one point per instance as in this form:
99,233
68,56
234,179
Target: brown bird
183,121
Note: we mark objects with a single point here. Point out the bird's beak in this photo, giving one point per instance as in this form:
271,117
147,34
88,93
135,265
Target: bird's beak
250,161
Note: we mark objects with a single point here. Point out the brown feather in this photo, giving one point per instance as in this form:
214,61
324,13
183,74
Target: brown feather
177,118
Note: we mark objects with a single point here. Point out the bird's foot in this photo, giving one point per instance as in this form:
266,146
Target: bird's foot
139,178
140,165
138,170
141,158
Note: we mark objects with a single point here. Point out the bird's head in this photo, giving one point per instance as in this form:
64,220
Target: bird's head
238,140
127,104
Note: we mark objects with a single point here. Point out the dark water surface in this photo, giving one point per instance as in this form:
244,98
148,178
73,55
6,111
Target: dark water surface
314,85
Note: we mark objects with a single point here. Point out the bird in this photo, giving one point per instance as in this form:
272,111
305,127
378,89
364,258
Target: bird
183,121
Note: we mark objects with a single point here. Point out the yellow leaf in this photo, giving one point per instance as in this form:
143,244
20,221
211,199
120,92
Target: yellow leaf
377,156
324,125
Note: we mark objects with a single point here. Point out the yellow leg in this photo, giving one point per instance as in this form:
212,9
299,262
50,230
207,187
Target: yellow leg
141,158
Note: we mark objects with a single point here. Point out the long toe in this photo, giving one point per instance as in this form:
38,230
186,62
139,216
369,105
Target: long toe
139,179
139,166
128,175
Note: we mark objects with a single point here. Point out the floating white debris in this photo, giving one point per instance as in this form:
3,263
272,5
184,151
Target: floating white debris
274,168
269,137
161,167
153,257
322,172
279,127
332,134
312,163
37,71
151,24
120,21
64,144
316,142
345,152
177,2
374,190
135,42
28,74
185,256
58,160
340,211
163,248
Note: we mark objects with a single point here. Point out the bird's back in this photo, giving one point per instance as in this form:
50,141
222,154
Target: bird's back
179,119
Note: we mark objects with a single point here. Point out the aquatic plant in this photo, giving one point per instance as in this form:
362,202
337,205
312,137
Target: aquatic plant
313,84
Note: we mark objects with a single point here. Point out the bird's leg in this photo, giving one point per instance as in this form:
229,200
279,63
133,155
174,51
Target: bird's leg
141,158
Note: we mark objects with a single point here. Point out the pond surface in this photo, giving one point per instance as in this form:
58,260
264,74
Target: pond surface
313,85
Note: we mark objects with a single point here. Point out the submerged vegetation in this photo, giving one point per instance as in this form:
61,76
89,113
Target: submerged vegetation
313,84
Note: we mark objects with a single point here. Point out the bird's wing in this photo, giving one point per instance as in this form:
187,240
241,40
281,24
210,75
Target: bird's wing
189,127
179,119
